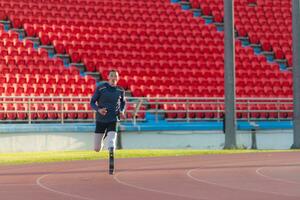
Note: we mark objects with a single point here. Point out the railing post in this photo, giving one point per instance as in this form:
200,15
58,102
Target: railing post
218,110
29,111
134,120
156,109
187,110
278,109
62,109
248,110
134,115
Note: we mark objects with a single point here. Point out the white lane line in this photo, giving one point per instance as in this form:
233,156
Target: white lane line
43,186
159,191
260,173
40,184
189,174
152,190
174,194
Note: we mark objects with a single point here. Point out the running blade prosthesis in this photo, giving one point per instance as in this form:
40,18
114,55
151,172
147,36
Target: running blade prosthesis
111,161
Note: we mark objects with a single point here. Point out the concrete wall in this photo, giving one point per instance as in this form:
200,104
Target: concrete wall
29,142
279,139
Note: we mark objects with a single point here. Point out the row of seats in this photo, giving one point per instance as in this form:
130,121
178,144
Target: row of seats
46,91
54,112
38,69
210,91
119,14
47,79
91,32
239,115
80,6
45,115
217,82
244,111
71,39
29,60
36,116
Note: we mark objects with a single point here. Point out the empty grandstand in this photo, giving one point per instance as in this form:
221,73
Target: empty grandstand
55,49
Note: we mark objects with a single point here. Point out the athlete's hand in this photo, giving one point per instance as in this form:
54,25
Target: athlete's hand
102,111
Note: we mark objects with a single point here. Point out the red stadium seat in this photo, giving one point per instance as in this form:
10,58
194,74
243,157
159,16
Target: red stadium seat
2,113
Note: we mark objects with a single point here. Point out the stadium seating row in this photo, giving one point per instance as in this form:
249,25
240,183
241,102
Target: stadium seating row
43,111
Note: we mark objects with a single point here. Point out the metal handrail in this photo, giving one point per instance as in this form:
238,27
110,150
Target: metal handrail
139,105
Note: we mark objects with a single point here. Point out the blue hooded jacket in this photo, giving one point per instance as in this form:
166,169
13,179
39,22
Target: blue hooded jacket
109,97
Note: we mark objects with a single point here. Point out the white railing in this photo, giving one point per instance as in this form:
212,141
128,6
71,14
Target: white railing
71,109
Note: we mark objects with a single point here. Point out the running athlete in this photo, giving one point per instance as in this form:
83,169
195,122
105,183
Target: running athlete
109,103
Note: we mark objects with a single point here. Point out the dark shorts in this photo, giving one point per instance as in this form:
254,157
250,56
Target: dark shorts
102,127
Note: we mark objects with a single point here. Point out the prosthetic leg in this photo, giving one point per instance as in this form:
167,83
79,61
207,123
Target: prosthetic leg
111,161
111,138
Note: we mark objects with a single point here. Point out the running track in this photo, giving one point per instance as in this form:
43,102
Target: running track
263,176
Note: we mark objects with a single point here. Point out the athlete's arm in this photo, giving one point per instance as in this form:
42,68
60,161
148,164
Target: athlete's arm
94,99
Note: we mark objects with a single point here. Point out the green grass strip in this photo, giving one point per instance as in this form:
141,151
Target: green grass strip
62,156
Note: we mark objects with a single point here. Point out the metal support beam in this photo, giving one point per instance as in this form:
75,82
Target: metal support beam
296,72
229,76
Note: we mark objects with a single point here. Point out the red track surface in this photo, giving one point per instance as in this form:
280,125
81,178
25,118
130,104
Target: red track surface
273,176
